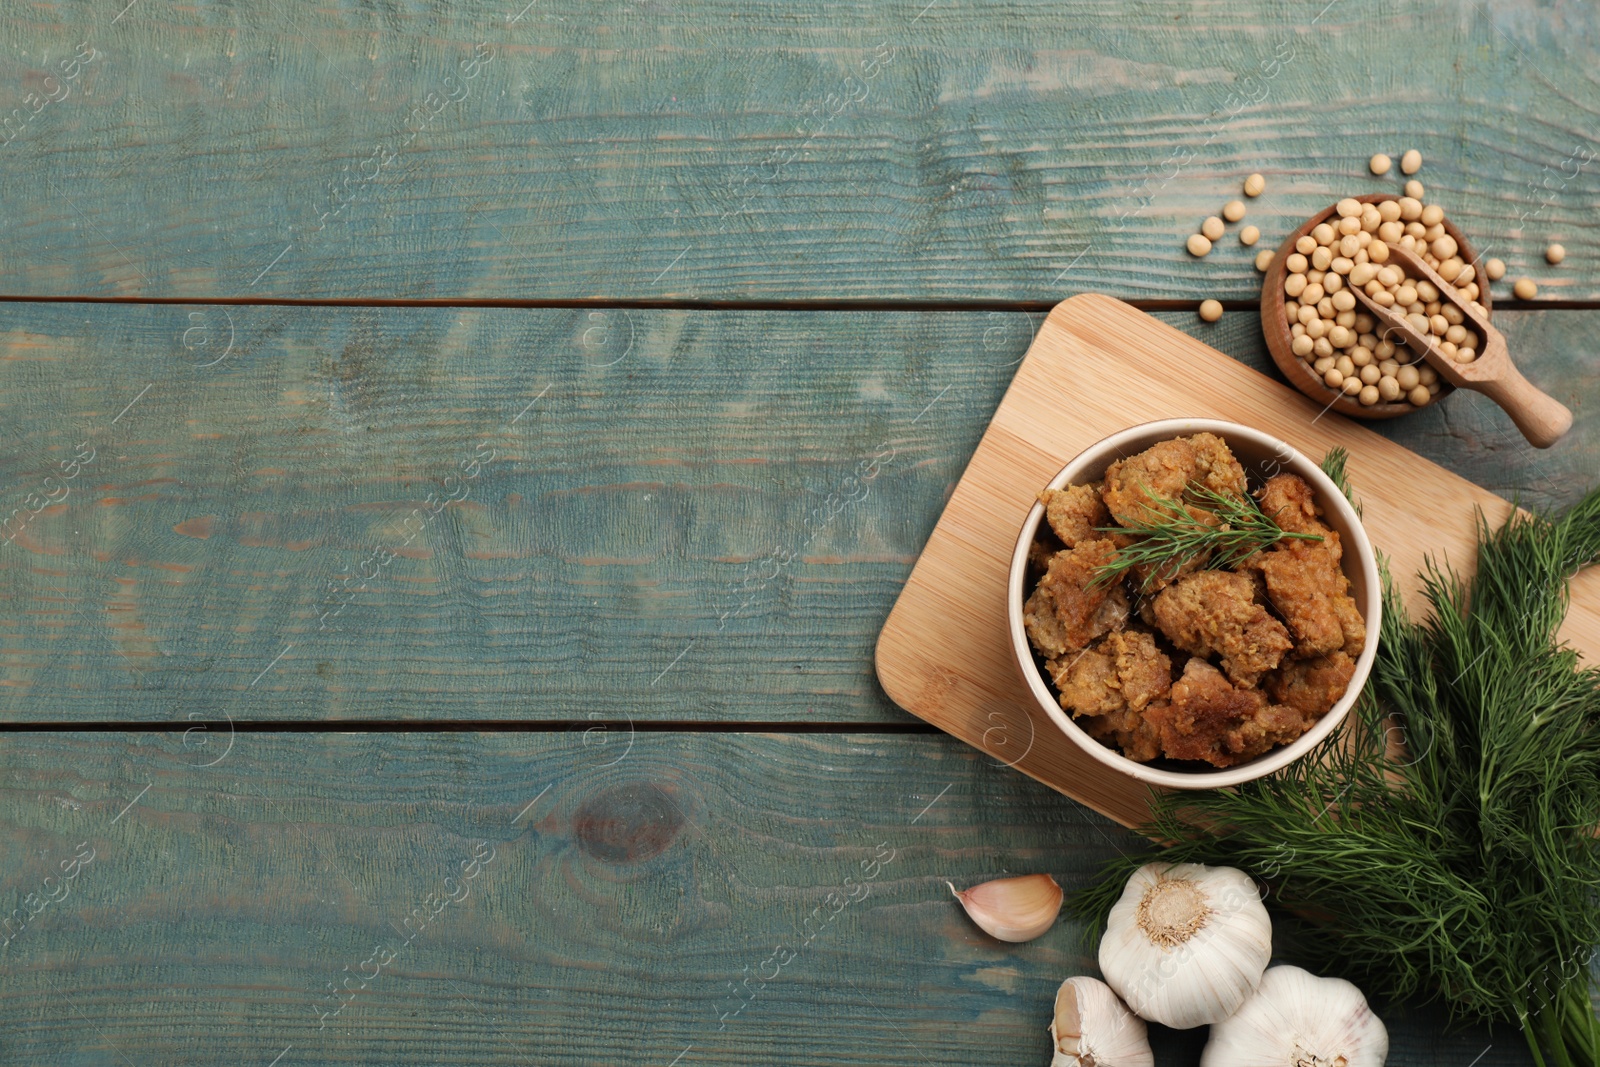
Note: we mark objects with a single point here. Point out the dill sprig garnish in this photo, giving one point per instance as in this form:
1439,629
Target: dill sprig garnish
1444,842
1228,531
1333,464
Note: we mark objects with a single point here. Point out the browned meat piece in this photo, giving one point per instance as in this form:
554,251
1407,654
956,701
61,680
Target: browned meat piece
1215,613
1211,721
1087,682
1312,594
1074,512
1145,605
1129,731
1167,469
1274,725
1125,671
1217,469
1151,578
1287,500
1164,469
1311,686
1353,625
1064,613
1304,580
1045,545
1145,671
1205,707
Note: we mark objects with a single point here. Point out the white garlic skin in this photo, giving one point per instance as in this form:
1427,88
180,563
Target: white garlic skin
1092,1028
1295,1018
1186,973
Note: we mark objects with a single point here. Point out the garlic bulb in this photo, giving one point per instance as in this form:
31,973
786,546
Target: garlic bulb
1013,909
1092,1028
1186,944
1295,1019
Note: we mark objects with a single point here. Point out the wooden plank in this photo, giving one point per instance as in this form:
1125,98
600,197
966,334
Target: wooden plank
712,511
626,907
718,149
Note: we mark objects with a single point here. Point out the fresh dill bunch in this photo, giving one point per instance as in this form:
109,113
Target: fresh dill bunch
1227,532
1445,839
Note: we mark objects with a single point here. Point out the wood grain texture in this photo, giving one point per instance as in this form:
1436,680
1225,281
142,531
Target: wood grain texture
1024,149
946,655
688,513
621,904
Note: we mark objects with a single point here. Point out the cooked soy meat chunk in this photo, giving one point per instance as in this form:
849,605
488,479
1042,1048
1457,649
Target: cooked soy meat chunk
1306,586
1067,610
1130,731
1305,583
1168,469
1075,512
1125,671
1212,721
1311,686
1216,467
1087,682
1287,500
1214,613
1045,545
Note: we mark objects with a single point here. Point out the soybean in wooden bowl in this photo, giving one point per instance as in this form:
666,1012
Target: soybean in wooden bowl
1275,329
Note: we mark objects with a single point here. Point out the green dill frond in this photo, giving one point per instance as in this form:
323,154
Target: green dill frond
1333,465
1226,531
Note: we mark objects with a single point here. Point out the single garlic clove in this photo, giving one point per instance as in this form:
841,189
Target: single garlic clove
1186,944
1295,1017
1092,1028
1013,909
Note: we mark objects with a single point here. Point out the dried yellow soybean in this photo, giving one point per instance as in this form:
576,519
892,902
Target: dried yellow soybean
1525,289
1495,269
1249,235
1379,164
1555,254
1210,310
1212,229
1263,258
1233,210
1414,189
1198,245
1411,162
1254,185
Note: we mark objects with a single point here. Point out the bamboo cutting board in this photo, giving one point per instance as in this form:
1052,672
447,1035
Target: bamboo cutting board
1096,367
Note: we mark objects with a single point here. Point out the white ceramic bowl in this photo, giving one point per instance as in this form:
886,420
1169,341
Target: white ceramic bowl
1261,456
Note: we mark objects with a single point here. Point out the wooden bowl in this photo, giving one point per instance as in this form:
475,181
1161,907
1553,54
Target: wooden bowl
1297,370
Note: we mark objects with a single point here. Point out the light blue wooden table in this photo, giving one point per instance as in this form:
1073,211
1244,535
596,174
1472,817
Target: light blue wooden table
405,409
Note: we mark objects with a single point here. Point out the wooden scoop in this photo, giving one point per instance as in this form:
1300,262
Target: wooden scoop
1542,418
